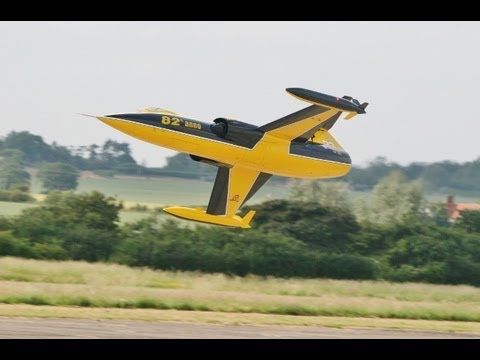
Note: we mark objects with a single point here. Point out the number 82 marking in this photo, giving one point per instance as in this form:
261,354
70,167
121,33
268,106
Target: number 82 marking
167,120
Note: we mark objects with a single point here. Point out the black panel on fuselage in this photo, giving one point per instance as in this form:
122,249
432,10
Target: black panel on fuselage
250,134
320,152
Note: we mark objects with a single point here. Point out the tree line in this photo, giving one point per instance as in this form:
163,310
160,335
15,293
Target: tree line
112,155
442,176
116,158
393,235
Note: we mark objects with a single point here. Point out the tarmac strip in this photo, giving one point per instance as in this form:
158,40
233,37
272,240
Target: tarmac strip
48,328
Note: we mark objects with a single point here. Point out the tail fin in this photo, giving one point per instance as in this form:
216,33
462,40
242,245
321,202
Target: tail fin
326,139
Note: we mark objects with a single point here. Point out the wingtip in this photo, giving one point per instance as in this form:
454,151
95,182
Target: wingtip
247,218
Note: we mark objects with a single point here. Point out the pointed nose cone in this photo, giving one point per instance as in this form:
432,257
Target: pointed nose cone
115,123
107,120
119,124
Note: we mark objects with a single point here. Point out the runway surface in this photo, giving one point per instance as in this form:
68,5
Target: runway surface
121,329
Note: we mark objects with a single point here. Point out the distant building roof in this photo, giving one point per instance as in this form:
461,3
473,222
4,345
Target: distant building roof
454,209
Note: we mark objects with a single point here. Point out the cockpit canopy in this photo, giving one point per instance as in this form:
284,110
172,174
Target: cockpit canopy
156,110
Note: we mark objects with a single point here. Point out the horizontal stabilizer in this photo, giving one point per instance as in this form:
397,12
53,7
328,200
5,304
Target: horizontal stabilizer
200,215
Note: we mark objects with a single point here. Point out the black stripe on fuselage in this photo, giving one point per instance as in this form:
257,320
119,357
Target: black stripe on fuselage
294,117
252,137
308,149
218,199
319,152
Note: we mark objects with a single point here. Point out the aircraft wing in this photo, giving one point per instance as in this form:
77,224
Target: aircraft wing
303,124
232,188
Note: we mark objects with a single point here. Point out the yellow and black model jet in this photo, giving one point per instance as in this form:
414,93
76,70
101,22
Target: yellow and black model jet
297,145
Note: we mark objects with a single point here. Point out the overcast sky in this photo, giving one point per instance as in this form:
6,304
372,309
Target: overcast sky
420,78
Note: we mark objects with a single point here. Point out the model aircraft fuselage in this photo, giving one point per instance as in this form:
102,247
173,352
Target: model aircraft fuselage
297,145
250,146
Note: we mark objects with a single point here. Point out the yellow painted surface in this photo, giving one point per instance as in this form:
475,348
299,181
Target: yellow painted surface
270,155
200,215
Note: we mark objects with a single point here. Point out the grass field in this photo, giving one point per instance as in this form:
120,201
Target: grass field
160,191
151,192
12,208
109,286
133,216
